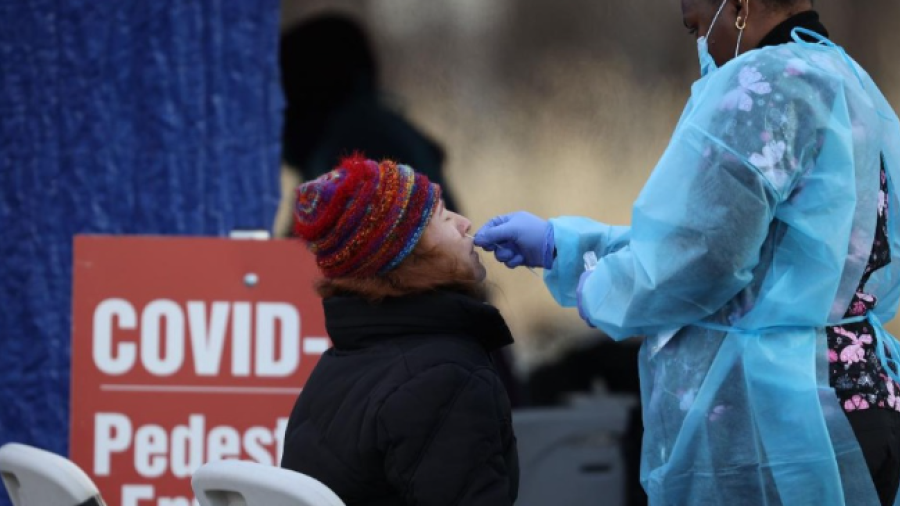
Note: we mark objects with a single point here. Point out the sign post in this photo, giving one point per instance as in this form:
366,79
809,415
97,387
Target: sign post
185,351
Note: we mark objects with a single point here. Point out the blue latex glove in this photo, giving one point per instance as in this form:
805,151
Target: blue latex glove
581,312
517,239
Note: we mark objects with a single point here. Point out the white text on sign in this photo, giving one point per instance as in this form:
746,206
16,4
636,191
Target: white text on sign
183,449
166,330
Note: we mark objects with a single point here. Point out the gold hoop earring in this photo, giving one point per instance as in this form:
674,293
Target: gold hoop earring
741,22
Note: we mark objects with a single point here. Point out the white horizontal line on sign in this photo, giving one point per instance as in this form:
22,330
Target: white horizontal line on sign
190,389
315,345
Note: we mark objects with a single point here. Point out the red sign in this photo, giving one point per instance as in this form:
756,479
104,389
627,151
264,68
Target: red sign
185,351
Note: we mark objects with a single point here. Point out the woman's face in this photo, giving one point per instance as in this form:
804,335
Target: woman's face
698,16
446,232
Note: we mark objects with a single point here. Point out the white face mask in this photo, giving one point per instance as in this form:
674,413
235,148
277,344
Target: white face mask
707,63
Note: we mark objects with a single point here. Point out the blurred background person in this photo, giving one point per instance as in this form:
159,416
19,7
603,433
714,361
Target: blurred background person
335,104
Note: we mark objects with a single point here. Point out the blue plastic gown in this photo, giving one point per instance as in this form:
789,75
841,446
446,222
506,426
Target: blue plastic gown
749,238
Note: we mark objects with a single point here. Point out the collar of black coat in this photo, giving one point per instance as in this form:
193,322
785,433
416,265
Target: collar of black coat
781,34
353,322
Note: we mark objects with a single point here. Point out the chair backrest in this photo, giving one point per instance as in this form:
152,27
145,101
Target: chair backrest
34,477
242,483
572,455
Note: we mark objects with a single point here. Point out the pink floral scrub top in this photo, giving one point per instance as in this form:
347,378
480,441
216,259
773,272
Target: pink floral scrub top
856,373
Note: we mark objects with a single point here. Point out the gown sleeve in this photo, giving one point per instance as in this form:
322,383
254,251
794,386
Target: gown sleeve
699,224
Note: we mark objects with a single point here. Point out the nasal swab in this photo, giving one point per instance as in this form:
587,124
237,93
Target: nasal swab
531,269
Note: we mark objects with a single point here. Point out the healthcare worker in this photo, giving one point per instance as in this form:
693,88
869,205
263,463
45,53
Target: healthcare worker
760,264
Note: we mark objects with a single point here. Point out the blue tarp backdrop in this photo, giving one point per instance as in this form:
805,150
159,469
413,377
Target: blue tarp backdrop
119,117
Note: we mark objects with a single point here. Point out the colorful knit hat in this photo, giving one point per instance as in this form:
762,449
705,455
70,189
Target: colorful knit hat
363,218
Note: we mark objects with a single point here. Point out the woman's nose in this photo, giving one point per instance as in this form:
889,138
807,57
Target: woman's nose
464,224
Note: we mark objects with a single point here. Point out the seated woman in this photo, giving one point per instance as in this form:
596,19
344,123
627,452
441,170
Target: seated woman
406,408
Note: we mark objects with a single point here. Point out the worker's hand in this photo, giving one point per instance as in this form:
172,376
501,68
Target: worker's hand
517,239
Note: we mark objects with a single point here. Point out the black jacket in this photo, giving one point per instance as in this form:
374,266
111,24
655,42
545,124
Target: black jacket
407,408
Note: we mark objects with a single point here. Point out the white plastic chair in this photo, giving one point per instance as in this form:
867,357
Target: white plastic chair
34,477
243,483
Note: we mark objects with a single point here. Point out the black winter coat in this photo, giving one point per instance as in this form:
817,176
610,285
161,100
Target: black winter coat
406,408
